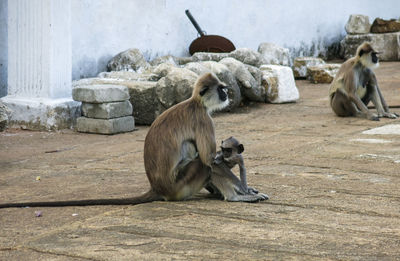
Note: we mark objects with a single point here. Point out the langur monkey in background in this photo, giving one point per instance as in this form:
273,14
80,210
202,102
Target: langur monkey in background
355,85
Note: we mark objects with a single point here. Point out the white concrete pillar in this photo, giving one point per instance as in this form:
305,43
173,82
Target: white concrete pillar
39,64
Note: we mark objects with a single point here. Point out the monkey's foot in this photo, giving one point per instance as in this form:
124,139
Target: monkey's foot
389,115
252,191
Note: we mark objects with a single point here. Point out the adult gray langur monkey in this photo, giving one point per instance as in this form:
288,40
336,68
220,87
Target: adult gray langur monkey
355,85
179,150
223,182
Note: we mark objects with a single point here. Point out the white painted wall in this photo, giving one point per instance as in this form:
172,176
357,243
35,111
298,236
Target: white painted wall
103,28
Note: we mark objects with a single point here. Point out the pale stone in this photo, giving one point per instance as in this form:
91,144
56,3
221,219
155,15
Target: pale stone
100,93
372,141
390,129
108,110
41,113
102,126
226,76
279,84
388,45
274,54
131,59
323,73
161,70
301,64
247,56
358,24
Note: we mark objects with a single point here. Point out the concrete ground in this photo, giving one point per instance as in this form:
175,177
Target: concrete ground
334,190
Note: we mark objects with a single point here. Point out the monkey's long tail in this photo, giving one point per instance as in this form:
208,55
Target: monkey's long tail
149,196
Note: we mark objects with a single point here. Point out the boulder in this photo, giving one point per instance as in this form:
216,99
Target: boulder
385,26
204,56
358,24
226,76
274,54
129,75
108,110
175,87
323,73
131,59
105,126
164,59
4,114
100,93
279,84
388,45
301,64
145,104
247,56
197,68
161,70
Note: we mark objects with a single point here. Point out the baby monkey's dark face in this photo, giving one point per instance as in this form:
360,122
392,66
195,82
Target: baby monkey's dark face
231,147
226,152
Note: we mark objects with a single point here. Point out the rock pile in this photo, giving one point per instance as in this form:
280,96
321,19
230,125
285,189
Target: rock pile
314,69
105,109
4,114
159,84
383,35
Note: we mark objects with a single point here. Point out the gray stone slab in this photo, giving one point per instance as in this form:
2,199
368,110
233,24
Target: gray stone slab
108,110
102,126
100,93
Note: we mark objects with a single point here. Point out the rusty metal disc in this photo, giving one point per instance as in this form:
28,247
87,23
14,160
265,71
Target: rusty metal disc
211,43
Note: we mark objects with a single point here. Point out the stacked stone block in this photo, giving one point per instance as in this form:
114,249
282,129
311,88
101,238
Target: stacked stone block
105,109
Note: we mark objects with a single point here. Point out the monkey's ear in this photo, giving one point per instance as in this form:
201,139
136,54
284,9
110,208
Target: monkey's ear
203,90
240,148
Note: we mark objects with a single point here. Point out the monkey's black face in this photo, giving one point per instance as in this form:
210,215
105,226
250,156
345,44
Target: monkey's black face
222,92
226,152
374,57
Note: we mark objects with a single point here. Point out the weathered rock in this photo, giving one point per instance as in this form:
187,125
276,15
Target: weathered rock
323,73
301,64
101,126
358,24
183,60
146,107
164,59
279,84
131,59
247,56
175,87
129,75
161,70
203,56
108,110
226,76
385,26
274,54
257,91
100,93
197,68
388,45
4,113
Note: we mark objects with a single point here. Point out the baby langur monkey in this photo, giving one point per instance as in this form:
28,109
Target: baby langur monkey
355,85
224,182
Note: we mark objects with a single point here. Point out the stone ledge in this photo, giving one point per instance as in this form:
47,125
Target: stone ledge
41,113
101,126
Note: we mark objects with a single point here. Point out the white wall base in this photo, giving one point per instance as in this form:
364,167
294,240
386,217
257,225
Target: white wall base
41,113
